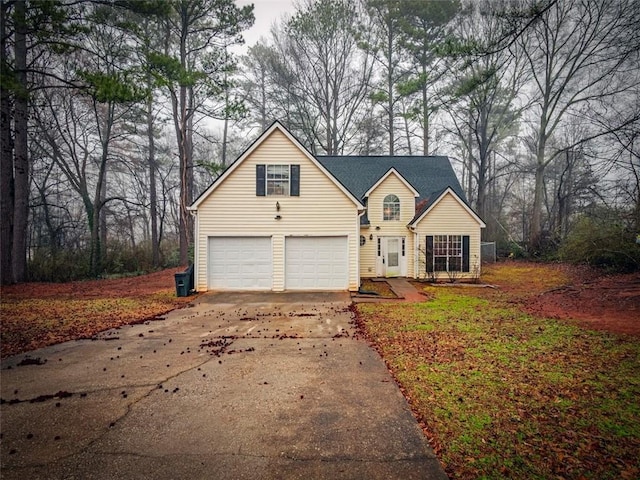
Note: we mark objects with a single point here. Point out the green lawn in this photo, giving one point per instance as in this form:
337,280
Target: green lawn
506,395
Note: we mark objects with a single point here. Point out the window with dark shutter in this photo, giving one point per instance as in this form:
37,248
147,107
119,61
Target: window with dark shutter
447,253
260,180
295,181
465,253
429,254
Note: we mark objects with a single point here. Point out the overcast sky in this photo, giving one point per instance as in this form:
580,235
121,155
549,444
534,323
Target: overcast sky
266,13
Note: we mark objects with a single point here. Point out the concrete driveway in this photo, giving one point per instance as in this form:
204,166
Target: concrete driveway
235,386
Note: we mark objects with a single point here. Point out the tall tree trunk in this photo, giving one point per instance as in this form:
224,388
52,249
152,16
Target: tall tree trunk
97,247
95,252
6,161
390,86
181,124
483,154
407,132
103,214
21,156
470,158
225,128
153,195
190,175
425,112
263,101
535,232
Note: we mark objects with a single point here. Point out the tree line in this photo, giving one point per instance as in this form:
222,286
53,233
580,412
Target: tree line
116,114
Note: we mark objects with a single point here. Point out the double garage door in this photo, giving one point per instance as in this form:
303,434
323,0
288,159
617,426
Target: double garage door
247,263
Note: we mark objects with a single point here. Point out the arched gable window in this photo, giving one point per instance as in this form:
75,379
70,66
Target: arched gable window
391,208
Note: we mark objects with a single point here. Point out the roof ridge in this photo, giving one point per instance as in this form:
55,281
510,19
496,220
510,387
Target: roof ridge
381,156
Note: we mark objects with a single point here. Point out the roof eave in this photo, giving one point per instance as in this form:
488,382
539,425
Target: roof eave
450,190
392,170
251,148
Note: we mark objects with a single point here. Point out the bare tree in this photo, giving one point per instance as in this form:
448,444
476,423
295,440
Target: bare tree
486,101
257,84
29,31
424,27
198,30
576,51
385,46
6,153
330,74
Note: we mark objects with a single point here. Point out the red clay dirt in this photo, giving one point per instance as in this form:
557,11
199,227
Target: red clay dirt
600,302
113,288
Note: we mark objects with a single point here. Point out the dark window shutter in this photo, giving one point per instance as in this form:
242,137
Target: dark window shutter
465,253
260,180
295,181
429,254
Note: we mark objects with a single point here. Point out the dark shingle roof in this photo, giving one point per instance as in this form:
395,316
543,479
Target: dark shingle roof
428,175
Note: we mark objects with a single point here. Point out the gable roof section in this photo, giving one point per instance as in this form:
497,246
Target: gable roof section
392,171
274,126
427,175
432,202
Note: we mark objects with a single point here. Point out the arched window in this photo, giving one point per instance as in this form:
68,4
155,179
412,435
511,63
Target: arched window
391,208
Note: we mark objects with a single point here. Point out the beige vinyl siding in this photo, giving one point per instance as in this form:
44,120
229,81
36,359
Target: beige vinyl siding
233,209
448,217
368,253
388,228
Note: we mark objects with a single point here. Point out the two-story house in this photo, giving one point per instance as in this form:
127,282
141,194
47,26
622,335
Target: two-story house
280,218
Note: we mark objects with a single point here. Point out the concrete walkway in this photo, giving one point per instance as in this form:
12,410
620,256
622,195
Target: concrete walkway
235,386
401,287
405,290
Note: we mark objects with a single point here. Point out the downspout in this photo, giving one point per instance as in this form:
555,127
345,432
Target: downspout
415,250
358,247
196,251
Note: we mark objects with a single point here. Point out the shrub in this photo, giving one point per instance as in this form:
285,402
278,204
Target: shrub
63,265
602,242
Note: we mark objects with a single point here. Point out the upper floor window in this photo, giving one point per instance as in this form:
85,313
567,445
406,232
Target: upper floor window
278,180
391,208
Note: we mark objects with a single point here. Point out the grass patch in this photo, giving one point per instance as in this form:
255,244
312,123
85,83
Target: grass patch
508,395
532,277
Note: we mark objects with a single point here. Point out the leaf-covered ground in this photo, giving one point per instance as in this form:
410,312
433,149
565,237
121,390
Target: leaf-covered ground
508,382
35,315
504,393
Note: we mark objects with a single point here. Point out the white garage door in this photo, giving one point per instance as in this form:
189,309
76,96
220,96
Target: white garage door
316,263
240,263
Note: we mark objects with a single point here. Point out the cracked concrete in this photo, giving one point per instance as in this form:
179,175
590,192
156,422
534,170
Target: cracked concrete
235,386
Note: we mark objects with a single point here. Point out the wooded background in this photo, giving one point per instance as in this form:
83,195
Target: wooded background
115,115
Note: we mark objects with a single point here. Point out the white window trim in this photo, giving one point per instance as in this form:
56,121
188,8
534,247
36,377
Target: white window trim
392,204
267,179
448,255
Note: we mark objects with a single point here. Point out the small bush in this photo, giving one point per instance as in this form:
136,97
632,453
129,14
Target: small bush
46,265
601,242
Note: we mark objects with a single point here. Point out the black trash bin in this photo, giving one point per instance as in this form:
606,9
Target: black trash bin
189,271
184,282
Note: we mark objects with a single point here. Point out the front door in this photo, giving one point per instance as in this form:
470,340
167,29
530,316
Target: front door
392,257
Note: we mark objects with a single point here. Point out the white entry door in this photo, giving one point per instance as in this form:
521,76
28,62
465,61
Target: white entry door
392,258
